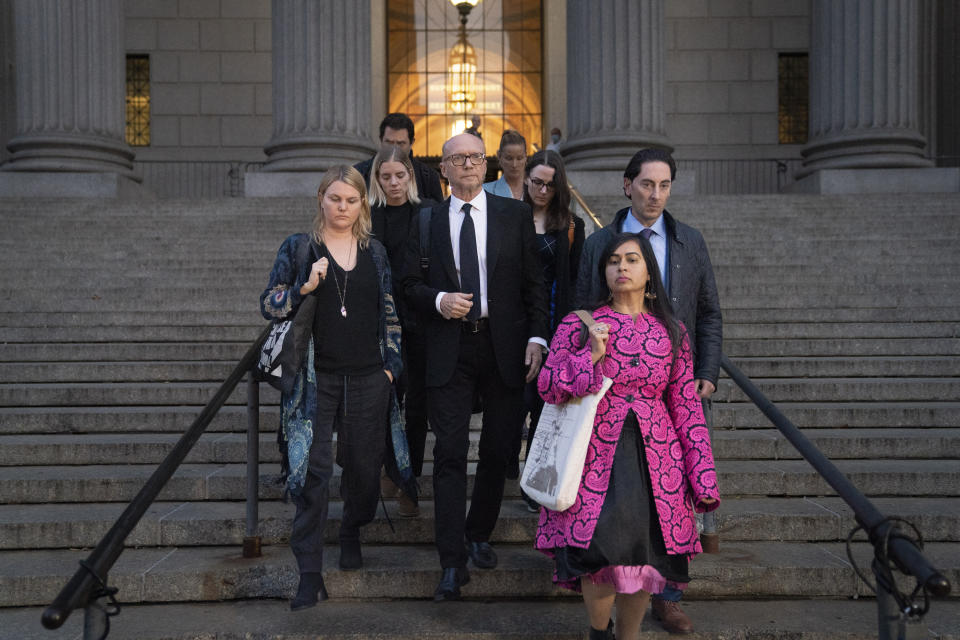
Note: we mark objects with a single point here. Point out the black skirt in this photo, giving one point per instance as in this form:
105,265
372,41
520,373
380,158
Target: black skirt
628,531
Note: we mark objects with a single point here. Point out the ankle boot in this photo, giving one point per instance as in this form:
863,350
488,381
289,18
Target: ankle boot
310,591
351,558
605,634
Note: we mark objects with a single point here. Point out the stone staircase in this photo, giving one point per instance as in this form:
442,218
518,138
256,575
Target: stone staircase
123,318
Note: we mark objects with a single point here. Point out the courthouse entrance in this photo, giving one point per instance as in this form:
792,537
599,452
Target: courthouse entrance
444,71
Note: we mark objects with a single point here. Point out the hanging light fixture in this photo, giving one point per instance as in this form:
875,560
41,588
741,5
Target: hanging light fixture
462,71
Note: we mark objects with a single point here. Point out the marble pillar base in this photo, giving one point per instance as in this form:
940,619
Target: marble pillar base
51,184
842,181
281,184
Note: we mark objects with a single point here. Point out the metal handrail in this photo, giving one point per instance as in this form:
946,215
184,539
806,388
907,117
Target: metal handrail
583,203
902,550
93,572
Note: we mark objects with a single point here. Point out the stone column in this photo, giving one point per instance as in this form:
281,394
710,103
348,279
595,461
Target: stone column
615,82
864,104
321,85
70,97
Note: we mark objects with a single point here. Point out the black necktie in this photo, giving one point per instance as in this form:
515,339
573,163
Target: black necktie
469,263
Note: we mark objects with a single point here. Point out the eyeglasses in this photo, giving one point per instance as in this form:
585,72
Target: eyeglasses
460,160
539,184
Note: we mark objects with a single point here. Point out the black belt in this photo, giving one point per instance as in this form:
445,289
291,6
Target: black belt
475,326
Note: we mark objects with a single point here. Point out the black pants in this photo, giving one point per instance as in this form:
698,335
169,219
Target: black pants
357,407
450,407
412,386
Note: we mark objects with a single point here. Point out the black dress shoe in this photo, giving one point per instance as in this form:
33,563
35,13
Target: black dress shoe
310,591
350,557
450,583
482,554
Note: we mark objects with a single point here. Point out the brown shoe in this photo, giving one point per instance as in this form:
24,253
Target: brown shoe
671,616
406,507
387,488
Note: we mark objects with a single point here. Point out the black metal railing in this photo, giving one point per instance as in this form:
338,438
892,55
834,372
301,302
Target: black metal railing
893,546
79,592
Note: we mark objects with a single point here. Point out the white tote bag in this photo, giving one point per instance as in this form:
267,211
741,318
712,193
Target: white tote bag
554,465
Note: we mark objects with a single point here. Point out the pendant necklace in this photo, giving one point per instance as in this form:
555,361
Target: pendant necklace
346,275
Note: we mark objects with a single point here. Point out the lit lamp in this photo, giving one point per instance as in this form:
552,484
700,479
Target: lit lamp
462,70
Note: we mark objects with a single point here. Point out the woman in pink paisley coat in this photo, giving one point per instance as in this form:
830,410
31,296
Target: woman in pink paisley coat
649,464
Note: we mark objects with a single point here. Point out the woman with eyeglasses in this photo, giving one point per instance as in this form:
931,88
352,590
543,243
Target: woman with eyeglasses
512,155
560,236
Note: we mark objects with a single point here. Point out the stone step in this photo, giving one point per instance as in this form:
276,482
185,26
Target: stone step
553,619
117,371
763,315
184,574
183,350
207,371
741,444
848,366
29,420
88,394
839,389
816,415
198,393
844,330
841,347
232,418
118,483
245,333
219,523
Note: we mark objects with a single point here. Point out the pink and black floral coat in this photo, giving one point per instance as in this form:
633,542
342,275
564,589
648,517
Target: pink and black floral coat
675,435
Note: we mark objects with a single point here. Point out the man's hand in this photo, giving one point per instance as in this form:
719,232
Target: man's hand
455,304
532,359
705,388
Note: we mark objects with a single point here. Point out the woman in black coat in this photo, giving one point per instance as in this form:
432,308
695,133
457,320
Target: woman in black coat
560,236
394,210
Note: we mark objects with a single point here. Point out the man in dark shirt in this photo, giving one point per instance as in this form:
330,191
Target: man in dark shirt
397,129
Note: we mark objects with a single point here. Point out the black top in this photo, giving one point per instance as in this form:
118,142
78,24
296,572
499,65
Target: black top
547,246
348,345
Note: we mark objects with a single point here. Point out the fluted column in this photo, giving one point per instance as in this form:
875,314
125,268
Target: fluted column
321,84
864,104
70,88
615,81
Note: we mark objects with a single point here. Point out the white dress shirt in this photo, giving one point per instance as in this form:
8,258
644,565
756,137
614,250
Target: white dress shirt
658,239
478,213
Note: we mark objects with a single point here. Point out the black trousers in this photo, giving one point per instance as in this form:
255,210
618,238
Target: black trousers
412,386
357,407
450,407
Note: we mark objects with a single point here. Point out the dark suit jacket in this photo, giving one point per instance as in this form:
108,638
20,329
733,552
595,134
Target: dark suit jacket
515,296
428,180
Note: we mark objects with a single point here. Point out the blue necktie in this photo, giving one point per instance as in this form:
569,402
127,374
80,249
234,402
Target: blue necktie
646,233
469,263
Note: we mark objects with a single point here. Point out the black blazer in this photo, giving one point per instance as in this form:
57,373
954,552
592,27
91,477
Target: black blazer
515,296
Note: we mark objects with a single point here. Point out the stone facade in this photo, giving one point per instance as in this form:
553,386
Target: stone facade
704,82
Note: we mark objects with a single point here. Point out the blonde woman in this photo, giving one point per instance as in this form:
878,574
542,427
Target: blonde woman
394,210
337,281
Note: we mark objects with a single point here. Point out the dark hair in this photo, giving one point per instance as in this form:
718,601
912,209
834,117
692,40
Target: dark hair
658,306
651,154
558,211
397,121
511,136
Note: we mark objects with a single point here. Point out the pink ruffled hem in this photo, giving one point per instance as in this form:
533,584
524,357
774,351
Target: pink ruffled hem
630,579
625,579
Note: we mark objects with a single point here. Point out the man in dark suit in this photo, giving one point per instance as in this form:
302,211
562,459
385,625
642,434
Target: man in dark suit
397,129
483,304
